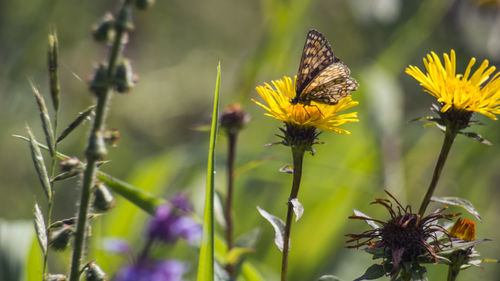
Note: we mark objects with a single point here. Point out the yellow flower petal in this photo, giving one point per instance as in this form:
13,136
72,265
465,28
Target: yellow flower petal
472,91
322,116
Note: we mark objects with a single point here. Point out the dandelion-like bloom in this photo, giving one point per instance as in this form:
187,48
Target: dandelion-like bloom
464,229
317,115
405,235
470,92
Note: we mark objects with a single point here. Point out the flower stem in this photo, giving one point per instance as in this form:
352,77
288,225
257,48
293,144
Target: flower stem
229,196
452,273
92,155
298,156
449,137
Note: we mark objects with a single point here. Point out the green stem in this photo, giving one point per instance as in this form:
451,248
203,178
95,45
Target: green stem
452,273
449,137
93,156
298,156
229,196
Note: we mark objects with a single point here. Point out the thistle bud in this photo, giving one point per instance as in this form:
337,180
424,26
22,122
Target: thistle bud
99,83
144,4
59,237
94,273
124,78
104,30
234,118
103,199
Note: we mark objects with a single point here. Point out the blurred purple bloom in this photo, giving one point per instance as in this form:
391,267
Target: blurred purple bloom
116,245
168,226
147,270
181,201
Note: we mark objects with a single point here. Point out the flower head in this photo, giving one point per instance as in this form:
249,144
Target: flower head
464,229
468,92
234,118
404,237
151,270
168,226
317,115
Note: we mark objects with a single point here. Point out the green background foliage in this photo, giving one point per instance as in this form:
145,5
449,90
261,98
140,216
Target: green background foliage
175,49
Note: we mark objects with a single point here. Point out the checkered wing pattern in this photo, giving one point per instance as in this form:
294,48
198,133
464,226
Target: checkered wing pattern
322,77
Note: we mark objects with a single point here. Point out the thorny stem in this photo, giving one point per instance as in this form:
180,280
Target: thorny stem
229,196
93,157
449,137
298,156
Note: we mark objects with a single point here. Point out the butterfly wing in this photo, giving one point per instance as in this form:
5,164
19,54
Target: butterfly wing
316,57
331,85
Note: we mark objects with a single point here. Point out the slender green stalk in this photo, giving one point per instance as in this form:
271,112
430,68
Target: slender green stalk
93,155
229,196
298,156
449,137
452,273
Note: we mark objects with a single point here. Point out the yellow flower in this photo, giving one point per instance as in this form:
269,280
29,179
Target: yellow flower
464,229
473,93
321,116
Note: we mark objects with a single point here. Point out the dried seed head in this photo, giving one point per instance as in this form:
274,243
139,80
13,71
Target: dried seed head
405,235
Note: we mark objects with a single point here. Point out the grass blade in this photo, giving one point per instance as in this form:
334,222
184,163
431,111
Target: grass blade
82,116
41,170
44,116
206,261
41,233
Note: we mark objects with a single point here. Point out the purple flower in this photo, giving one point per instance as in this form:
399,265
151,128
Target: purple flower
168,226
116,245
148,270
180,201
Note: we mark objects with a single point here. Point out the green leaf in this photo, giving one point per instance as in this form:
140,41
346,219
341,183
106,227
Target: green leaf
460,202
329,278
44,116
298,209
373,272
206,260
82,116
277,224
477,137
417,273
235,254
41,232
40,168
135,195
249,239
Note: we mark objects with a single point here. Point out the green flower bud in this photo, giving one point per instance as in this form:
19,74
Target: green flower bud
94,273
144,4
99,83
104,30
103,199
124,78
59,237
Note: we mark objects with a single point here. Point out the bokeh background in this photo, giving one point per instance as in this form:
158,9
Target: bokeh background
175,50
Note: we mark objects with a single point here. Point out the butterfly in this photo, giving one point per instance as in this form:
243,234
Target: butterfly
321,77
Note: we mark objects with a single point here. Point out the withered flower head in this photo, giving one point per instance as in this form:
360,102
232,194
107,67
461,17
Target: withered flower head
404,237
234,118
